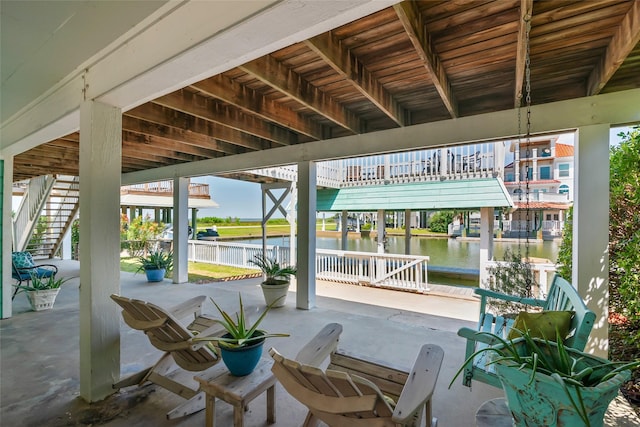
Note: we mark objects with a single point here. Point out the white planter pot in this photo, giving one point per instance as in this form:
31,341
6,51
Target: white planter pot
42,300
274,292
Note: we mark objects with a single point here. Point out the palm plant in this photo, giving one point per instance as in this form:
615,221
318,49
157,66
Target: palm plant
274,272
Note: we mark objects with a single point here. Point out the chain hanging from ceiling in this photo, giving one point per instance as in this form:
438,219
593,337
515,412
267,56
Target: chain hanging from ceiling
527,169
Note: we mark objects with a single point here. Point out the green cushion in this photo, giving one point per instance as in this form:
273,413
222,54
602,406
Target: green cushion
545,324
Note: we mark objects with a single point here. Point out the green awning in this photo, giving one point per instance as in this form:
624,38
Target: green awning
433,195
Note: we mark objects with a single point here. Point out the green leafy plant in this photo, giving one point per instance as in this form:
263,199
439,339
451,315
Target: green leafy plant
156,260
541,356
241,332
38,283
274,272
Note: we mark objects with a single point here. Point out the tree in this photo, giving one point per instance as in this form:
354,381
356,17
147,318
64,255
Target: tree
565,261
439,221
624,232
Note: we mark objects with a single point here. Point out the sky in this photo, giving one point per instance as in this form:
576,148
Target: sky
240,199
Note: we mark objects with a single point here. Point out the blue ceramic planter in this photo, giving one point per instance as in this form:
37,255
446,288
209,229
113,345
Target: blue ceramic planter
155,275
242,361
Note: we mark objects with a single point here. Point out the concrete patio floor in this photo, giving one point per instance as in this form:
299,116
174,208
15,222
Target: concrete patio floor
40,352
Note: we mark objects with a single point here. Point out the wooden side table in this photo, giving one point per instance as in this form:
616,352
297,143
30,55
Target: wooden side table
238,391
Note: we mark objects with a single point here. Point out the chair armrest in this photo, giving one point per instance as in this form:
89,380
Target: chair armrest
319,347
420,384
486,293
190,306
474,335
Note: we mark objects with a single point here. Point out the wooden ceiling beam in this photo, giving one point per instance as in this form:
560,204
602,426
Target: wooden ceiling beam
188,142
252,102
354,72
526,11
230,141
413,23
166,147
626,37
205,108
271,72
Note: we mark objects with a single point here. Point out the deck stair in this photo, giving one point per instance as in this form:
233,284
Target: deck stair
55,217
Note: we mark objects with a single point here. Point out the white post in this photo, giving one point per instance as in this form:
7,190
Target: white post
306,277
381,230
486,242
344,217
100,169
6,171
324,227
407,231
180,229
292,226
591,229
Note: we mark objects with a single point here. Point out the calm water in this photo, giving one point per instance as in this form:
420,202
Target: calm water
441,252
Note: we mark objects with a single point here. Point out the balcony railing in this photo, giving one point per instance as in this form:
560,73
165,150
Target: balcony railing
165,188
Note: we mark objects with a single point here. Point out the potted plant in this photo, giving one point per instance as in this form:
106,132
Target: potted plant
241,347
42,291
546,383
157,265
276,279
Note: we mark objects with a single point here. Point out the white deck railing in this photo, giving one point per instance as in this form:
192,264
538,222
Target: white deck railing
406,272
542,275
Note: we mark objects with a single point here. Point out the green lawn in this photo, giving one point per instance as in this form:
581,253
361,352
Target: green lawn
197,271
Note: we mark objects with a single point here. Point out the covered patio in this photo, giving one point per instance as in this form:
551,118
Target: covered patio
40,353
171,90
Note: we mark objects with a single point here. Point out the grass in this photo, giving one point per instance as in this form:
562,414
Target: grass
198,271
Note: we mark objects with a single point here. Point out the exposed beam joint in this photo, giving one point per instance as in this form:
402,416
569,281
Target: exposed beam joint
271,72
626,37
526,12
413,23
348,66
251,102
205,108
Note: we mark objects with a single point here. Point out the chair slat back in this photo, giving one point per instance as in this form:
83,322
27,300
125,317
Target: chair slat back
166,333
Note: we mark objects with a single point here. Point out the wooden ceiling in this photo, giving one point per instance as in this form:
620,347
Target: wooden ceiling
413,63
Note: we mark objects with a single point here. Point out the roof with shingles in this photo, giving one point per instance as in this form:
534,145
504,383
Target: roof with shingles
451,194
564,150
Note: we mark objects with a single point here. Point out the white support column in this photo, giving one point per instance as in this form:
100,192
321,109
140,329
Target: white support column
381,230
6,163
100,169
291,217
66,244
344,217
306,288
486,242
591,229
407,231
180,230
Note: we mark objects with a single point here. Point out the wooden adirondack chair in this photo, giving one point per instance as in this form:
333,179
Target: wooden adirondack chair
356,392
562,297
182,356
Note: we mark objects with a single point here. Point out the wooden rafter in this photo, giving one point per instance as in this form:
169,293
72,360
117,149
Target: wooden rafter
526,10
353,71
199,106
251,102
157,142
271,72
236,141
626,37
413,23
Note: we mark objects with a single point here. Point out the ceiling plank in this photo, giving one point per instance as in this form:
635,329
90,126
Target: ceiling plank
252,102
413,23
199,106
235,142
271,72
171,148
626,37
348,66
526,10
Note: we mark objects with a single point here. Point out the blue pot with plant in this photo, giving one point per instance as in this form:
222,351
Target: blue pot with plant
157,265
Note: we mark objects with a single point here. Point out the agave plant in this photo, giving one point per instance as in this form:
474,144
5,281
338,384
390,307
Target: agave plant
240,332
156,260
572,369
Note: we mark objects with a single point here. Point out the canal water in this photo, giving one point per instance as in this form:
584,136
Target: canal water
444,253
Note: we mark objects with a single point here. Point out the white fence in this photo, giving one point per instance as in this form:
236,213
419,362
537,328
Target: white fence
542,275
406,272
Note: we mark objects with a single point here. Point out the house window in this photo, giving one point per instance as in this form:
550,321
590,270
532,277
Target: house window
548,217
563,170
545,172
563,189
556,217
